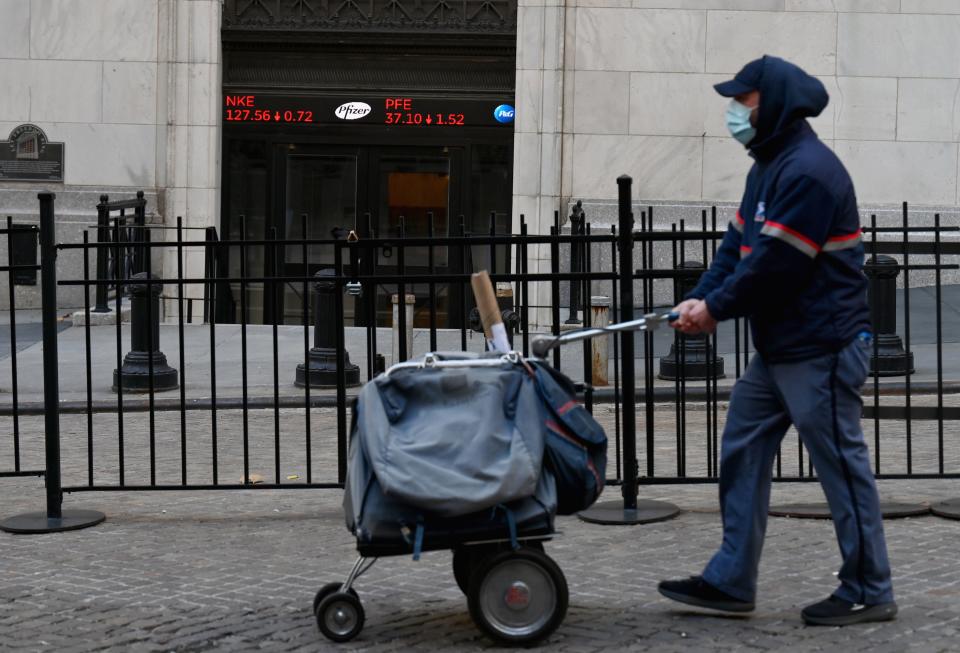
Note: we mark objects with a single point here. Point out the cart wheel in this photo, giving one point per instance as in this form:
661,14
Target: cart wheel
518,597
463,558
466,557
326,591
340,616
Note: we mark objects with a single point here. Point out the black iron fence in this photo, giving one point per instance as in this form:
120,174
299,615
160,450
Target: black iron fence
13,465
164,404
121,235
895,402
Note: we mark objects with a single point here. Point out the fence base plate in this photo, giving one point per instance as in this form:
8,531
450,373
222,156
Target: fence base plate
612,513
889,510
38,522
949,509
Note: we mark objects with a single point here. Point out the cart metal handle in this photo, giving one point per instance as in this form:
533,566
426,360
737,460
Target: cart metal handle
649,322
432,361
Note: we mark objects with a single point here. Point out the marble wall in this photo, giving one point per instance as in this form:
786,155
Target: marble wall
637,99
542,132
131,87
189,135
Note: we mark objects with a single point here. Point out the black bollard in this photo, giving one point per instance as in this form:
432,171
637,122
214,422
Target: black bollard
694,364
889,357
510,317
511,322
577,258
145,361
321,368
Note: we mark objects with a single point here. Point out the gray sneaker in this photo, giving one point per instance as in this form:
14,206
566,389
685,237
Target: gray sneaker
837,612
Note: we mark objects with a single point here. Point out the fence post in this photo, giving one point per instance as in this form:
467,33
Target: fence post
630,511
890,358
103,236
693,365
577,258
54,518
137,366
321,368
141,251
51,378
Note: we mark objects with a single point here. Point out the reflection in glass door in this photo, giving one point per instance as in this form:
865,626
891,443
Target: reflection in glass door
414,190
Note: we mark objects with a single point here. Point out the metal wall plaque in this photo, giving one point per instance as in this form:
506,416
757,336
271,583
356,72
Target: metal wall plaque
27,155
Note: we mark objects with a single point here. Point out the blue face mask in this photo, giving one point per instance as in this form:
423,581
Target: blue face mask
738,122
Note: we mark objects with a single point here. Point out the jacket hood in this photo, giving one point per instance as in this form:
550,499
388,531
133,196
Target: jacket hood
788,96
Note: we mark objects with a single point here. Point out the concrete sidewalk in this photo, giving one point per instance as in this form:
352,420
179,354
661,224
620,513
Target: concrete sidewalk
227,339
198,371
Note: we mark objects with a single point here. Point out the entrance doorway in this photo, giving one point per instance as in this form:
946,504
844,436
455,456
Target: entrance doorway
320,193
377,192
373,128
294,191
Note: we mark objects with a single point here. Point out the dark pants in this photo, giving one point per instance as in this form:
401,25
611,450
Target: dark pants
821,397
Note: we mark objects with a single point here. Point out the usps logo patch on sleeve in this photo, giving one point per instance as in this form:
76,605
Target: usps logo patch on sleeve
761,213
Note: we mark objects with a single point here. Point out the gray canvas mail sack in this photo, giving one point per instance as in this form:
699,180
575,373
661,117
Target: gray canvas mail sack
452,441
386,526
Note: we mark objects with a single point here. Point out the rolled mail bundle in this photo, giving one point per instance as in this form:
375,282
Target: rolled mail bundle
493,328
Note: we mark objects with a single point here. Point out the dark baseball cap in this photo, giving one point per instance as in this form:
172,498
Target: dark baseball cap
748,79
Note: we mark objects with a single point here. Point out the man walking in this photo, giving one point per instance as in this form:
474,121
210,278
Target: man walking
791,261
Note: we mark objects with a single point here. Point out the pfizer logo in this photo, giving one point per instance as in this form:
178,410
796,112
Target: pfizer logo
504,113
352,110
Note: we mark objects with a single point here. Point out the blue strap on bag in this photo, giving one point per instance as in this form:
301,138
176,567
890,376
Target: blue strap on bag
511,524
575,444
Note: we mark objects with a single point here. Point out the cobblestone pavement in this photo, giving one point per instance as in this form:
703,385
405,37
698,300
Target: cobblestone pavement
236,570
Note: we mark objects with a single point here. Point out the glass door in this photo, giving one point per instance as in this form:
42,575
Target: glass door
320,196
416,196
246,180
382,192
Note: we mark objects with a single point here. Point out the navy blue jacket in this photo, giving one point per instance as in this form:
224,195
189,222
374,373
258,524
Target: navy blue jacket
791,258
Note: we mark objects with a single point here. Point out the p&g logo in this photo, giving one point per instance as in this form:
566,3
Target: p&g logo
352,110
504,113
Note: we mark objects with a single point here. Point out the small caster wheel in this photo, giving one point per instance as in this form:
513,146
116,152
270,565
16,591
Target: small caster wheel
326,591
517,597
340,616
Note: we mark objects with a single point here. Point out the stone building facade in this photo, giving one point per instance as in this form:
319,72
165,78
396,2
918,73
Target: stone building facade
131,87
135,91
611,86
